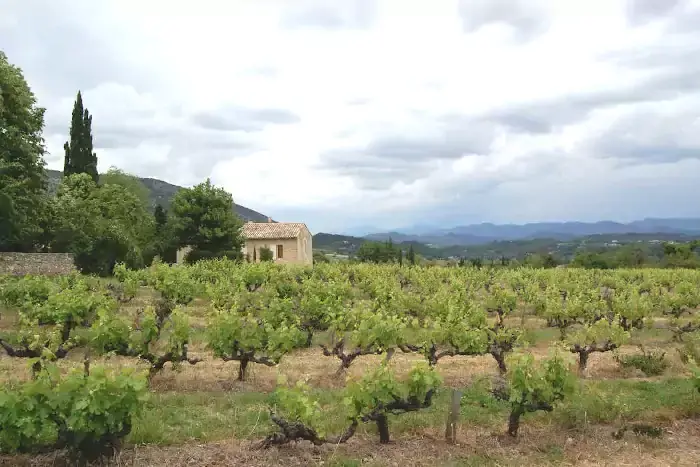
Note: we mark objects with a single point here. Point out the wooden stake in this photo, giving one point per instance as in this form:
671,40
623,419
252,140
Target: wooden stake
453,417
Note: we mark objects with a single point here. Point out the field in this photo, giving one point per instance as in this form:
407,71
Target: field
612,351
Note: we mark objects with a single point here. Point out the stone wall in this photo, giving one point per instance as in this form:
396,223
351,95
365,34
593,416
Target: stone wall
36,263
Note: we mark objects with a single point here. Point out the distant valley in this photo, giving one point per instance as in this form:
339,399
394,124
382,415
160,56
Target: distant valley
477,240
479,234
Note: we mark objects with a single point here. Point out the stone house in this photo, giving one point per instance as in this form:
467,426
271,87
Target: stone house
290,242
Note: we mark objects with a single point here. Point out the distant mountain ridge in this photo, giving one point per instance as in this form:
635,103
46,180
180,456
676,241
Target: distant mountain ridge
162,193
478,234
346,245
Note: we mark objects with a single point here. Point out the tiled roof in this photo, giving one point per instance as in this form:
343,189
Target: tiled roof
264,230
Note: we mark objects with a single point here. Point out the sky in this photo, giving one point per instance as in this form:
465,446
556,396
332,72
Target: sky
381,114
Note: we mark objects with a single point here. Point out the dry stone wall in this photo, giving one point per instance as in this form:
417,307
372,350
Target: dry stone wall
36,263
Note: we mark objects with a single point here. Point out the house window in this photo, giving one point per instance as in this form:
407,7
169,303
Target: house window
280,251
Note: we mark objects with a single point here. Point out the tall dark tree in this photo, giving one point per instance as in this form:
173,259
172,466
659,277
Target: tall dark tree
80,157
22,175
411,255
161,218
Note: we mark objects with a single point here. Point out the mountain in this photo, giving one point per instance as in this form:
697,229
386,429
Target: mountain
479,234
347,245
162,193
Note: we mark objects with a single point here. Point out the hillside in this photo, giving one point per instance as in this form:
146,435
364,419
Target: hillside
161,193
479,234
348,245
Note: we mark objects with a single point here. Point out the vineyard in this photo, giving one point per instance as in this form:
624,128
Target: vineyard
227,364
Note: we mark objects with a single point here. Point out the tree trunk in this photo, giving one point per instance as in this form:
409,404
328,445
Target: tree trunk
36,369
243,369
383,427
309,337
583,360
514,421
500,359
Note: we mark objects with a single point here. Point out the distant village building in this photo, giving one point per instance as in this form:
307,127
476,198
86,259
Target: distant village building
290,242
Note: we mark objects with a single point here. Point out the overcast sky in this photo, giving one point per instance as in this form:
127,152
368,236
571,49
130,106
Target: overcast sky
383,113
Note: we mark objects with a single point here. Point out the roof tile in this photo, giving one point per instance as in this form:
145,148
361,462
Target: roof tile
265,230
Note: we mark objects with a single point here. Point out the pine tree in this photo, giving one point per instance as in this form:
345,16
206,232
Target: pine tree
80,157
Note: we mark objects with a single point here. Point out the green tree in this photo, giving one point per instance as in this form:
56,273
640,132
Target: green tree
266,254
376,252
22,174
100,226
203,217
319,258
160,215
411,255
115,176
79,156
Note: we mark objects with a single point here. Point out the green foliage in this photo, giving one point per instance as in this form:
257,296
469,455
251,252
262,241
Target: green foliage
533,387
532,384
22,176
650,363
101,226
245,337
379,390
87,414
266,254
202,217
25,291
79,157
320,258
296,404
377,252
130,183
157,334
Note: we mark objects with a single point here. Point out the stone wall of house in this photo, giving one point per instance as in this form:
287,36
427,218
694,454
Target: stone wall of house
36,263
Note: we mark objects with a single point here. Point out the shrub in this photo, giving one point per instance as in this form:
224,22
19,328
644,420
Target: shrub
86,413
650,363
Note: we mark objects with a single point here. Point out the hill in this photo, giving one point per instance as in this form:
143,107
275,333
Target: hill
479,234
563,249
162,193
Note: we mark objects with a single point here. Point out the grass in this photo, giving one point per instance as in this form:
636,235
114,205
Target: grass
175,418
200,415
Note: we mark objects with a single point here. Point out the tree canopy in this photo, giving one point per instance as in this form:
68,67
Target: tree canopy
22,174
203,218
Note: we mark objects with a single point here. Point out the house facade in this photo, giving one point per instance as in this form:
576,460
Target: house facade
290,242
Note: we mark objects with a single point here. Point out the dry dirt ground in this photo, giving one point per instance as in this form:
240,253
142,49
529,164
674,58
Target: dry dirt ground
538,446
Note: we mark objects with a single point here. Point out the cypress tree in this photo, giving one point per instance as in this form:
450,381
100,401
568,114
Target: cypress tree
80,157
411,256
161,218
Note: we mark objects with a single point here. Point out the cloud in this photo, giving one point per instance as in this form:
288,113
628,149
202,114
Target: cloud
349,14
382,112
667,132
233,118
643,11
405,154
525,18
